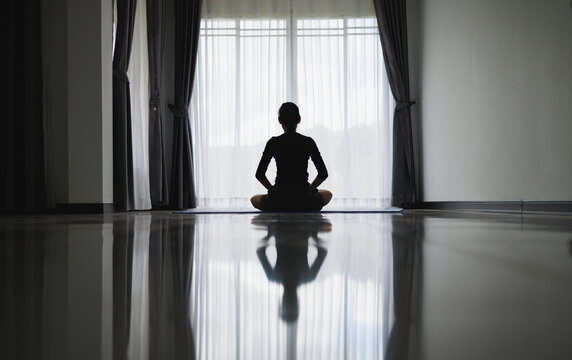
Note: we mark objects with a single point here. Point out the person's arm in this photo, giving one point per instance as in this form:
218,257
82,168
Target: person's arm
317,182
315,267
265,182
319,164
263,166
268,270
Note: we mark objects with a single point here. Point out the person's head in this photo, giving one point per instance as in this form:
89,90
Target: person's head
289,116
289,307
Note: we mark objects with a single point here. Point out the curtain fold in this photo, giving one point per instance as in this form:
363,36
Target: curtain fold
123,191
155,42
187,28
138,74
392,23
22,172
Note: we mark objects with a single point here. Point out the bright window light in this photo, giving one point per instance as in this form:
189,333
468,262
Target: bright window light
332,68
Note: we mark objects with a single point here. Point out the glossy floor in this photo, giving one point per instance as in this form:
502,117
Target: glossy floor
417,285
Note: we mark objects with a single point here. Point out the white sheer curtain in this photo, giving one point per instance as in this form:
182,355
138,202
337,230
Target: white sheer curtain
324,55
138,73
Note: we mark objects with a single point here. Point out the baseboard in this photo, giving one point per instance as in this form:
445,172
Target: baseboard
501,206
94,208
547,206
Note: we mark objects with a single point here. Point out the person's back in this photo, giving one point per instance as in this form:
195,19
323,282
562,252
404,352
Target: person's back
291,152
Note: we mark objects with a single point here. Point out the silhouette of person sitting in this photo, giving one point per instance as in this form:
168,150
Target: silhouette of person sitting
292,239
291,150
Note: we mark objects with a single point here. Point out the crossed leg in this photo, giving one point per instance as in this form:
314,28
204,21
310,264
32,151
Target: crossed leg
256,199
327,196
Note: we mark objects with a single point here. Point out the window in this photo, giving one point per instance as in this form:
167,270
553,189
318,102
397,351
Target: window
332,68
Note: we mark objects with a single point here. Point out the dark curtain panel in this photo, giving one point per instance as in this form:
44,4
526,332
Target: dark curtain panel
187,28
122,147
392,23
155,44
22,172
123,237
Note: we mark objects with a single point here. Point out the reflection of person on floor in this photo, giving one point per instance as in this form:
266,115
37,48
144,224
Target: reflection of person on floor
291,151
292,268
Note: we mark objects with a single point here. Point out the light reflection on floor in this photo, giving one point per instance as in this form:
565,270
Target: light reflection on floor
291,286
418,285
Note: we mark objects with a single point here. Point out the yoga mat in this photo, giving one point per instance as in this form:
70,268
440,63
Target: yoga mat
391,209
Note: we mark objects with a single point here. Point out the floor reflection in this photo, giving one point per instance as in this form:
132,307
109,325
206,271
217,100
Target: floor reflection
23,258
143,286
292,286
422,285
291,241
152,287
406,237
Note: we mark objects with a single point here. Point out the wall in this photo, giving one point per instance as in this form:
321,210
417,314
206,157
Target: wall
79,100
496,100
54,14
89,101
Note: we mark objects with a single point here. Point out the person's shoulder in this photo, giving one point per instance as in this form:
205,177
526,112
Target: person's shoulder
302,136
307,139
271,143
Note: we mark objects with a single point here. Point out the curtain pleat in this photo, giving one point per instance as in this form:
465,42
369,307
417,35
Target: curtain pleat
392,23
22,172
156,44
138,74
123,194
187,28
